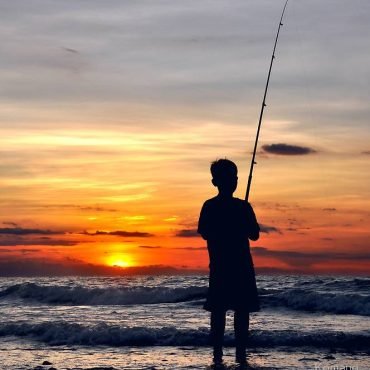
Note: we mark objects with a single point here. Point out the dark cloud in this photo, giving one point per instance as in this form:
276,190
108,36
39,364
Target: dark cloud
9,223
187,233
23,251
22,231
287,149
15,240
122,233
301,259
150,246
30,250
173,248
329,209
366,152
70,50
269,229
190,248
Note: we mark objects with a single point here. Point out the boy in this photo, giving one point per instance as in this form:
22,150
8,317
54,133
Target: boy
227,223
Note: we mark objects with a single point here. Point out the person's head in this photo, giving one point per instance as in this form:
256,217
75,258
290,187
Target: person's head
224,176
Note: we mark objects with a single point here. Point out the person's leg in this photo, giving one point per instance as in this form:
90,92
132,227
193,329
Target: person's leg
218,320
241,327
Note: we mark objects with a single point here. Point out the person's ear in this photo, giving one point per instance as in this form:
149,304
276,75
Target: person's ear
214,182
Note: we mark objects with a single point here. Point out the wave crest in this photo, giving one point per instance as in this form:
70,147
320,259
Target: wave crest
102,296
63,333
306,300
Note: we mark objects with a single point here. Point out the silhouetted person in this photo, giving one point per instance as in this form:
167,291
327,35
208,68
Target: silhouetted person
227,223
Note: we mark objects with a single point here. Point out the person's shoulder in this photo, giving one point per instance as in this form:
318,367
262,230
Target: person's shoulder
239,201
209,203
211,200
242,203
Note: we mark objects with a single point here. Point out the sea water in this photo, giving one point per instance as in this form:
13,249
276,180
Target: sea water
146,322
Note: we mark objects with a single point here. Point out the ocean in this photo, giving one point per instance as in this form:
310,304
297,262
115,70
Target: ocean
157,322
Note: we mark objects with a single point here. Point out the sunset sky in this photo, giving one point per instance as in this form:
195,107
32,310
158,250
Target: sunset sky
112,111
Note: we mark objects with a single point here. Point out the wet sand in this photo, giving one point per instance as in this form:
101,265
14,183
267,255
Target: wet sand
186,358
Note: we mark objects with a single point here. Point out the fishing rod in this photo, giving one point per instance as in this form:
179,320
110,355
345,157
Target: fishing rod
253,162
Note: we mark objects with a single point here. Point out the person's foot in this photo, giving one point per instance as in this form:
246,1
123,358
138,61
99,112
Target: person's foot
241,356
243,367
218,364
217,358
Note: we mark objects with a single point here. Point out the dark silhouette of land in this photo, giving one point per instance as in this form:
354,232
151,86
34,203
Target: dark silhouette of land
227,223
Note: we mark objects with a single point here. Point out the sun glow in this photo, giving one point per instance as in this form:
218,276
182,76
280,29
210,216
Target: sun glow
118,261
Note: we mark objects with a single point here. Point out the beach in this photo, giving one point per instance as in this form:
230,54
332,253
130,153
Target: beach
157,322
151,358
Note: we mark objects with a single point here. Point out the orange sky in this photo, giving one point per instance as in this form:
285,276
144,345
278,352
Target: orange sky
106,151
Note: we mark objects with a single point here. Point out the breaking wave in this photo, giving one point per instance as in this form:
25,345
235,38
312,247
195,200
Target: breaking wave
63,333
101,296
308,300
311,300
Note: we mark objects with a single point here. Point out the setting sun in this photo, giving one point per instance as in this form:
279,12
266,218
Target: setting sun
118,260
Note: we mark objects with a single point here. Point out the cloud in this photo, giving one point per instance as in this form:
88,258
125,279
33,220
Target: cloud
190,248
302,259
97,209
150,246
23,251
122,233
269,229
16,240
9,223
81,208
187,233
179,62
22,231
70,50
173,248
329,209
287,149
366,152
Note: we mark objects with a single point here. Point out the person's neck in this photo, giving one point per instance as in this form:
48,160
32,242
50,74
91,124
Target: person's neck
225,195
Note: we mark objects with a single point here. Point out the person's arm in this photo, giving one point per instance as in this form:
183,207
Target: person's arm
203,223
253,227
